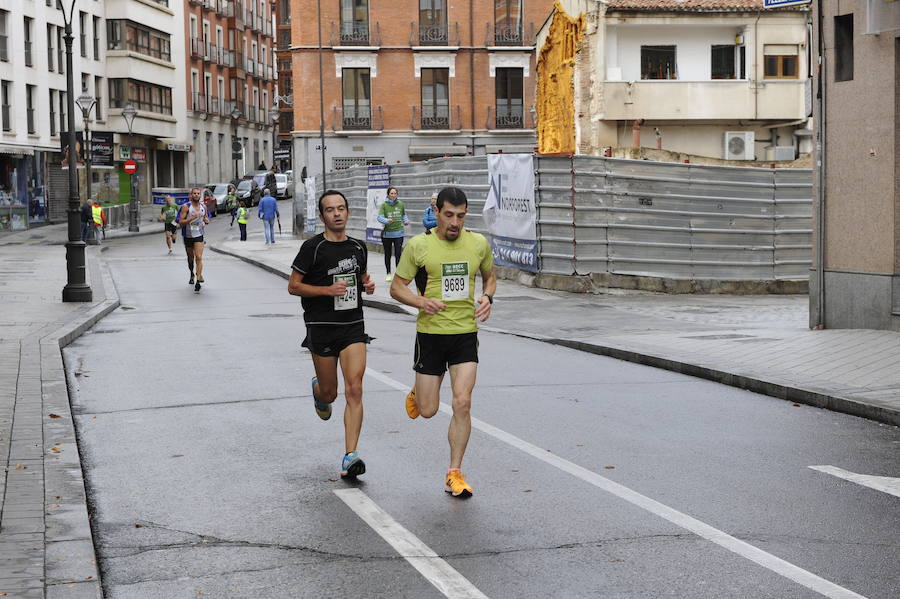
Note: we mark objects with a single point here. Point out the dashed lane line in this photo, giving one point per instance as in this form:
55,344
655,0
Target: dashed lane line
435,570
701,529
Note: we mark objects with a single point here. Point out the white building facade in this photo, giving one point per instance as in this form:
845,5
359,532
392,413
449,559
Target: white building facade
724,79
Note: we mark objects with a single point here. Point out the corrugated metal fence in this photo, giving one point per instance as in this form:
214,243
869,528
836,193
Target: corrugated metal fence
632,217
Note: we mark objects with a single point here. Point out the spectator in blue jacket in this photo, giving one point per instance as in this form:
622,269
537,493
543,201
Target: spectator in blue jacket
268,212
429,220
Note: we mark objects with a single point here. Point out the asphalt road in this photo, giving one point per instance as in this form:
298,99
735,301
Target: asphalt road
209,474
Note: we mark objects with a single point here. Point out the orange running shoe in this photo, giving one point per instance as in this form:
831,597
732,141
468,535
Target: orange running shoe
457,485
411,409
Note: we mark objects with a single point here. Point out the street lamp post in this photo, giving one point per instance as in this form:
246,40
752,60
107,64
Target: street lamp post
235,144
86,103
129,113
275,116
77,289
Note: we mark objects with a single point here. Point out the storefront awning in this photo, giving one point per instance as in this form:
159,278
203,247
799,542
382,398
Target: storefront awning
20,150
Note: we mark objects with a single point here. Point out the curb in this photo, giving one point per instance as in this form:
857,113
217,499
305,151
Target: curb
71,568
811,397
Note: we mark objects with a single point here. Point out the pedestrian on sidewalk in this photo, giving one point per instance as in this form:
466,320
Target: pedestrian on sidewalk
231,203
268,212
428,219
243,214
167,215
329,274
87,217
446,327
98,219
392,214
193,219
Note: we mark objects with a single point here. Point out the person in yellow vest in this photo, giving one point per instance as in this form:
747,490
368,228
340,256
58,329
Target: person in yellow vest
99,220
242,213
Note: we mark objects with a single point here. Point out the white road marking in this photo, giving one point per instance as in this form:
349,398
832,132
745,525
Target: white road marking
701,529
435,570
885,484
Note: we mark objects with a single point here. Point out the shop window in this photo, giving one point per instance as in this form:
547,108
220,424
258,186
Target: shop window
658,62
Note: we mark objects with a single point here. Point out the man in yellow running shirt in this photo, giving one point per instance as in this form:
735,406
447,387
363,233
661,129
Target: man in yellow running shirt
446,328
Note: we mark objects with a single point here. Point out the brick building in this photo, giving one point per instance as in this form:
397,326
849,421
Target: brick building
412,80
230,82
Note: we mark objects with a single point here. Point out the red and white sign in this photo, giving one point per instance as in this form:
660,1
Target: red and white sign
130,167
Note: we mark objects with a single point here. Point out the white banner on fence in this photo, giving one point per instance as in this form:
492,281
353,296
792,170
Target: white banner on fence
509,211
379,180
311,206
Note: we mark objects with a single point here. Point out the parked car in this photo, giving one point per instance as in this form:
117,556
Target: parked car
209,200
249,191
220,192
284,185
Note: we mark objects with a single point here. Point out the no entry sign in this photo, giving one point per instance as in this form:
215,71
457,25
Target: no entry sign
130,167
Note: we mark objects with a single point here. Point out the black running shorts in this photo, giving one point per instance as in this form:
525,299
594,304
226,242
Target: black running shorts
434,353
189,241
330,340
171,228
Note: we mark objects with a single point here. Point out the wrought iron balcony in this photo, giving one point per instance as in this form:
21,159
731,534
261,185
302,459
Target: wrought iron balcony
198,48
436,118
435,34
355,34
358,118
509,35
513,117
200,102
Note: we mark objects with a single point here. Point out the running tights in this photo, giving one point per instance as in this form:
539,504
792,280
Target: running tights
391,244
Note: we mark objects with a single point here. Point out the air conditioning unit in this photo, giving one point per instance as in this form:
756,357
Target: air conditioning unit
739,145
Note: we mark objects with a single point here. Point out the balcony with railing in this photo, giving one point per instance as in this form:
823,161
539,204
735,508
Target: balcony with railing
212,53
436,34
284,39
226,57
509,35
239,63
357,119
4,52
200,102
29,118
198,47
355,34
215,106
250,66
228,107
225,8
28,59
510,118
436,118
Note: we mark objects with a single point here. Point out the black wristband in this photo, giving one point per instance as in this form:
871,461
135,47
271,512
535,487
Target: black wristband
490,297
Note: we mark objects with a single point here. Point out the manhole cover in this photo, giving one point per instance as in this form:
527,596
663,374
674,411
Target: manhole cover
271,316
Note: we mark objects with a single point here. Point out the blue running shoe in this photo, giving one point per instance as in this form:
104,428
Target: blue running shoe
352,465
322,409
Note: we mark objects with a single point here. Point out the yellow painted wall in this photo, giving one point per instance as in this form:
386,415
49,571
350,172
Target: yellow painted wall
555,89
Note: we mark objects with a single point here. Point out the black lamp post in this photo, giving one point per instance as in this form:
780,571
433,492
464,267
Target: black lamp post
86,103
235,144
275,115
129,113
77,289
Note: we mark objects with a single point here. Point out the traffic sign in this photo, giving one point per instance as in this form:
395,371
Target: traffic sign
130,167
236,146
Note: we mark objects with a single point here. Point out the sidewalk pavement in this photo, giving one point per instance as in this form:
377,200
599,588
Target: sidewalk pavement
759,343
756,342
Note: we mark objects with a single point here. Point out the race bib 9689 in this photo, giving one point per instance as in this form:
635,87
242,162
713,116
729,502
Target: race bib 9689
454,280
